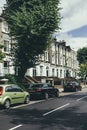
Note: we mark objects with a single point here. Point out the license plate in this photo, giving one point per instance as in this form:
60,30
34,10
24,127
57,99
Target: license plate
32,91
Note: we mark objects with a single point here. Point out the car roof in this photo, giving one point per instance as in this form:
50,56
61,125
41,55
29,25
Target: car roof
4,85
40,83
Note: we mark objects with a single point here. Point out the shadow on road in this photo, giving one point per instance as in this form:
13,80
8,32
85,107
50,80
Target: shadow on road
70,118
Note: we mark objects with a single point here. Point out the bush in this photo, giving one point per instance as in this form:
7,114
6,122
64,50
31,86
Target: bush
11,78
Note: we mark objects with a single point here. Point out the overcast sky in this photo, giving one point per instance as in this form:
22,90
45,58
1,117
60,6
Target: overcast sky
73,24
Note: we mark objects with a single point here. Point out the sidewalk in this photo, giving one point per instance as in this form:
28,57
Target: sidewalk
61,90
84,86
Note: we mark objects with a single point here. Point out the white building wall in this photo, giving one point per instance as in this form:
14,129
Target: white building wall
6,41
54,66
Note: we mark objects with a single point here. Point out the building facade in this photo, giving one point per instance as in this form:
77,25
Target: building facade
58,62
6,67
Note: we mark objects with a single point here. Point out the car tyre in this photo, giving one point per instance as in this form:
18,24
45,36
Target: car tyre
46,96
81,89
7,104
76,89
27,100
57,94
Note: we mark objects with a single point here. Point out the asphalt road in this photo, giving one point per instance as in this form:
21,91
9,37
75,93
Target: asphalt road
68,112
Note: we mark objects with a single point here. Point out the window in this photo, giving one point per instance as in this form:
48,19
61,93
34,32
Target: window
57,72
41,70
57,58
47,71
45,85
8,89
60,73
34,71
6,46
53,58
64,73
6,63
53,72
5,26
16,88
46,56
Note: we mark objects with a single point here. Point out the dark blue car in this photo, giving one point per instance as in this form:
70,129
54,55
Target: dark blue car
43,90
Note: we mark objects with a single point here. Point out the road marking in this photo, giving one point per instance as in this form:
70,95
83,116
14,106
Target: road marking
56,109
81,98
15,127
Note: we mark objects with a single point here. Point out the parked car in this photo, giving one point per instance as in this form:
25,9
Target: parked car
43,90
73,86
12,94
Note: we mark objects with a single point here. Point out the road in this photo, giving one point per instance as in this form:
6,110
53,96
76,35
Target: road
68,112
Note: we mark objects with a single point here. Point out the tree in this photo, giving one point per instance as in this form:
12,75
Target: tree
2,55
82,58
83,71
31,22
82,55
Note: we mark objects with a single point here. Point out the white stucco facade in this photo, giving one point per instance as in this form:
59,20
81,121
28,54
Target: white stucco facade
6,67
60,58
55,62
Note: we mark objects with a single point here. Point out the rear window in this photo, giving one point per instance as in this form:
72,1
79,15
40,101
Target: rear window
68,84
41,85
37,86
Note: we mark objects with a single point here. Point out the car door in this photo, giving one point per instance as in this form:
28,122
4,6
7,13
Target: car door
19,94
10,94
52,89
48,88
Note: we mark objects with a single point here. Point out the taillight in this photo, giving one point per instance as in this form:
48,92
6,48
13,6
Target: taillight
73,86
39,90
1,90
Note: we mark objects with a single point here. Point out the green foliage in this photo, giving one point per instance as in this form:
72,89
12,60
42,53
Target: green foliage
31,22
83,71
11,78
82,55
2,55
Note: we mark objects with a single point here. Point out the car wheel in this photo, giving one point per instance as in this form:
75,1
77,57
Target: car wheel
57,94
76,89
46,96
7,104
80,89
27,100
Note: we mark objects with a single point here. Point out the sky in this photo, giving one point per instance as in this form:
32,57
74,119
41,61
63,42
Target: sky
73,24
